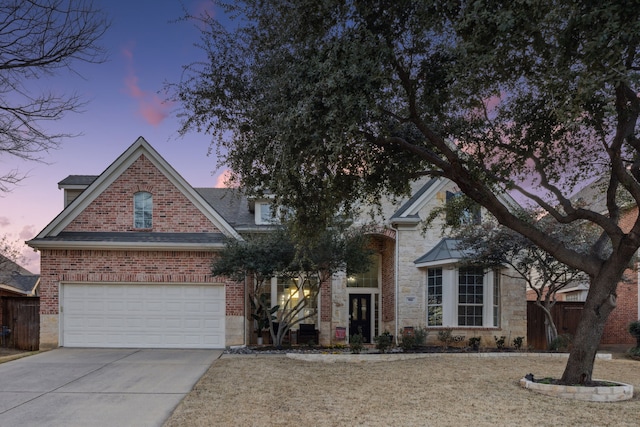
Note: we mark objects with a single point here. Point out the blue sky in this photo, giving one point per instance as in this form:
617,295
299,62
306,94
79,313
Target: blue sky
145,49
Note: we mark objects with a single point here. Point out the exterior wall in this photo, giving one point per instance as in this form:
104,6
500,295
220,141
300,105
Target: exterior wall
626,311
112,210
415,242
339,305
327,331
95,266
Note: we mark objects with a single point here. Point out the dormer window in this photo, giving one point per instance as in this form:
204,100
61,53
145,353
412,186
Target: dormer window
142,210
468,212
264,213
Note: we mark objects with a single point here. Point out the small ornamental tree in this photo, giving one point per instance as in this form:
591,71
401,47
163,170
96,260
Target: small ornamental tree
492,245
309,263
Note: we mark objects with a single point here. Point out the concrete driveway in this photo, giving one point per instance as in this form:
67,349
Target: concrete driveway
98,387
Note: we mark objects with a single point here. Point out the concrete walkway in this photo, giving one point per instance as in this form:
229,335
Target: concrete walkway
98,387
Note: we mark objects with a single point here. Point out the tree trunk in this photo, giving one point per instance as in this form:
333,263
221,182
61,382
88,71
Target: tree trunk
551,331
600,302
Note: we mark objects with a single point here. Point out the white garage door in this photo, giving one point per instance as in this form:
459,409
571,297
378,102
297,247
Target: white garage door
149,316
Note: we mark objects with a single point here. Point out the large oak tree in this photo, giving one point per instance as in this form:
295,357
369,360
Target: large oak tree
331,103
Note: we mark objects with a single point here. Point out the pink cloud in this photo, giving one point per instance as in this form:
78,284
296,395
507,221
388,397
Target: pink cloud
205,8
4,221
28,232
150,106
222,181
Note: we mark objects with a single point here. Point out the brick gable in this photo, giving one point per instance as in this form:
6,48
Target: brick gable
112,210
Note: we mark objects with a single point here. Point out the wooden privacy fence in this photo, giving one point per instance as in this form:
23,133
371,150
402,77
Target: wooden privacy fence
20,316
566,316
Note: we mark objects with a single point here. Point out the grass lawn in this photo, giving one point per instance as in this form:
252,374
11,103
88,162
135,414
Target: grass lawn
440,390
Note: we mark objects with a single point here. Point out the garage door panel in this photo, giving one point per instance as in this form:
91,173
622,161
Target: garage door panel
164,316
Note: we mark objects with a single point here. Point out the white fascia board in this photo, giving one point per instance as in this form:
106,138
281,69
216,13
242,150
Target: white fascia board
128,246
438,263
406,221
419,203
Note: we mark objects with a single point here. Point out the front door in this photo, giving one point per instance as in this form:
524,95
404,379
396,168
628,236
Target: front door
360,312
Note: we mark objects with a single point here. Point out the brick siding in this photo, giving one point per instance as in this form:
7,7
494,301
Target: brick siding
626,311
112,210
130,267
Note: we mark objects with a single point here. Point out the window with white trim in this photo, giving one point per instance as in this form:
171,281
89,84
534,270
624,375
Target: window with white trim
264,213
142,210
434,297
459,296
470,296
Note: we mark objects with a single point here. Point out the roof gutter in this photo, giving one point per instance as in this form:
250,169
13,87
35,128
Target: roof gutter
144,246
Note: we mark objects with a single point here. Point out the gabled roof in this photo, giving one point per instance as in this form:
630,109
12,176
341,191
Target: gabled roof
409,211
445,252
233,205
17,279
77,181
52,233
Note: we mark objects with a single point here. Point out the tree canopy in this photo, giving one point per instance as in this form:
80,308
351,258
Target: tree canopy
39,38
331,104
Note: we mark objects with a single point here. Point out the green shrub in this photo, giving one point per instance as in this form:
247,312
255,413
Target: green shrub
634,330
421,335
415,340
445,336
383,341
356,342
500,342
561,343
517,342
474,343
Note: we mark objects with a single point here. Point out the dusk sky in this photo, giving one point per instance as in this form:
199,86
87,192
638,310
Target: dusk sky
145,49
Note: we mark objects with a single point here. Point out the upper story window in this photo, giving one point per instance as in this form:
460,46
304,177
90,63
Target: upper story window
264,213
142,210
368,279
466,212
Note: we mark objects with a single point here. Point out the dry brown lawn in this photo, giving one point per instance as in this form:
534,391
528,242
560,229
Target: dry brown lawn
446,390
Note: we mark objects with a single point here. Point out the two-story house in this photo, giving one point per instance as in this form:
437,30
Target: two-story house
127,264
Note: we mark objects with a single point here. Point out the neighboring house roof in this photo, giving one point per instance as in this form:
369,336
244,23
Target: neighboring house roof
594,197
16,279
445,252
53,234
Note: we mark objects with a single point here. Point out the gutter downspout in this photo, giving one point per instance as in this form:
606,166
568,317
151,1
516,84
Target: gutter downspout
396,263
